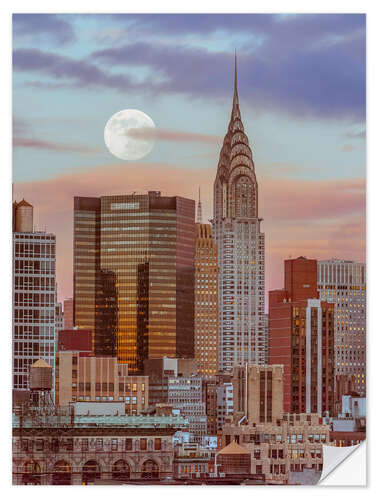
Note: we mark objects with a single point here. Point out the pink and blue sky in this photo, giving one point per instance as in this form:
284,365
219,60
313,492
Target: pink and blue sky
302,94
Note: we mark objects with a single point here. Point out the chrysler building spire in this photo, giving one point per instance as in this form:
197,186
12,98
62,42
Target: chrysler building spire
236,104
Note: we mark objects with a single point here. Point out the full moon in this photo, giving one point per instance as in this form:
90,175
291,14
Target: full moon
122,138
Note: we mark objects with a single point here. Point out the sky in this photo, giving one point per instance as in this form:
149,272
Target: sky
302,92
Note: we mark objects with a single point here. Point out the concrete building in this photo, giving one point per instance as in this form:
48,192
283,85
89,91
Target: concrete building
186,395
77,449
237,232
34,295
301,337
134,275
343,283
206,302
258,392
68,314
158,372
225,405
90,378
276,449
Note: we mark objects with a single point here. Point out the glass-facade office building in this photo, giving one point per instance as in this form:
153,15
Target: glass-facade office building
145,244
34,295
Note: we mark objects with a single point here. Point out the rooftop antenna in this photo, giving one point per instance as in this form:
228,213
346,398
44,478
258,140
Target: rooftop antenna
199,211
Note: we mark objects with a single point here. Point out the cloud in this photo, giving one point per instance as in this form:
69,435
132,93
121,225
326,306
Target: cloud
273,25
308,65
318,219
56,28
172,135
23,142
76,73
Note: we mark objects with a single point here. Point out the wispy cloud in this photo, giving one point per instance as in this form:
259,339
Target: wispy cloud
23,142
56,28
319,219
172,135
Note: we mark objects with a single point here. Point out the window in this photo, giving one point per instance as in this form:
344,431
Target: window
85,444
157,443
55,445
99,444
143,443
128,444
39,445
114,444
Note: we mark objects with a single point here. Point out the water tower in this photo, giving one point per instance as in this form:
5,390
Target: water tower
40,383
23,212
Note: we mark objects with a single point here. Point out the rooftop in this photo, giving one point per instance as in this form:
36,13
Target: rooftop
234,449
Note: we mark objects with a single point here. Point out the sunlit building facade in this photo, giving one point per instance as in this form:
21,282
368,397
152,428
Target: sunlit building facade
206,301
237,232
145,246
343,282
86,261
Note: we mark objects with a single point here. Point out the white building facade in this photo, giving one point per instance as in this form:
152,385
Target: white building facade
186,395
343,282
237,232
34,300
225,402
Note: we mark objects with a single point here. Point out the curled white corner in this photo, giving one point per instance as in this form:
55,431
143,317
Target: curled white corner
344,466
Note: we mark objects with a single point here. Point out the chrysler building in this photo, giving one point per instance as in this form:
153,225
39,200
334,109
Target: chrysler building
236,226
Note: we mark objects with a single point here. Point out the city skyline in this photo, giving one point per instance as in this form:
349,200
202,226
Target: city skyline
308,143
157,340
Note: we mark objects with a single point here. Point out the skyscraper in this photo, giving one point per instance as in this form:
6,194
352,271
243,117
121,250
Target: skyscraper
236,228
34,297
134,256
301,337
343,282
206,301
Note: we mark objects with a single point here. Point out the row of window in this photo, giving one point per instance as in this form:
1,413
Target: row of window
69,444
